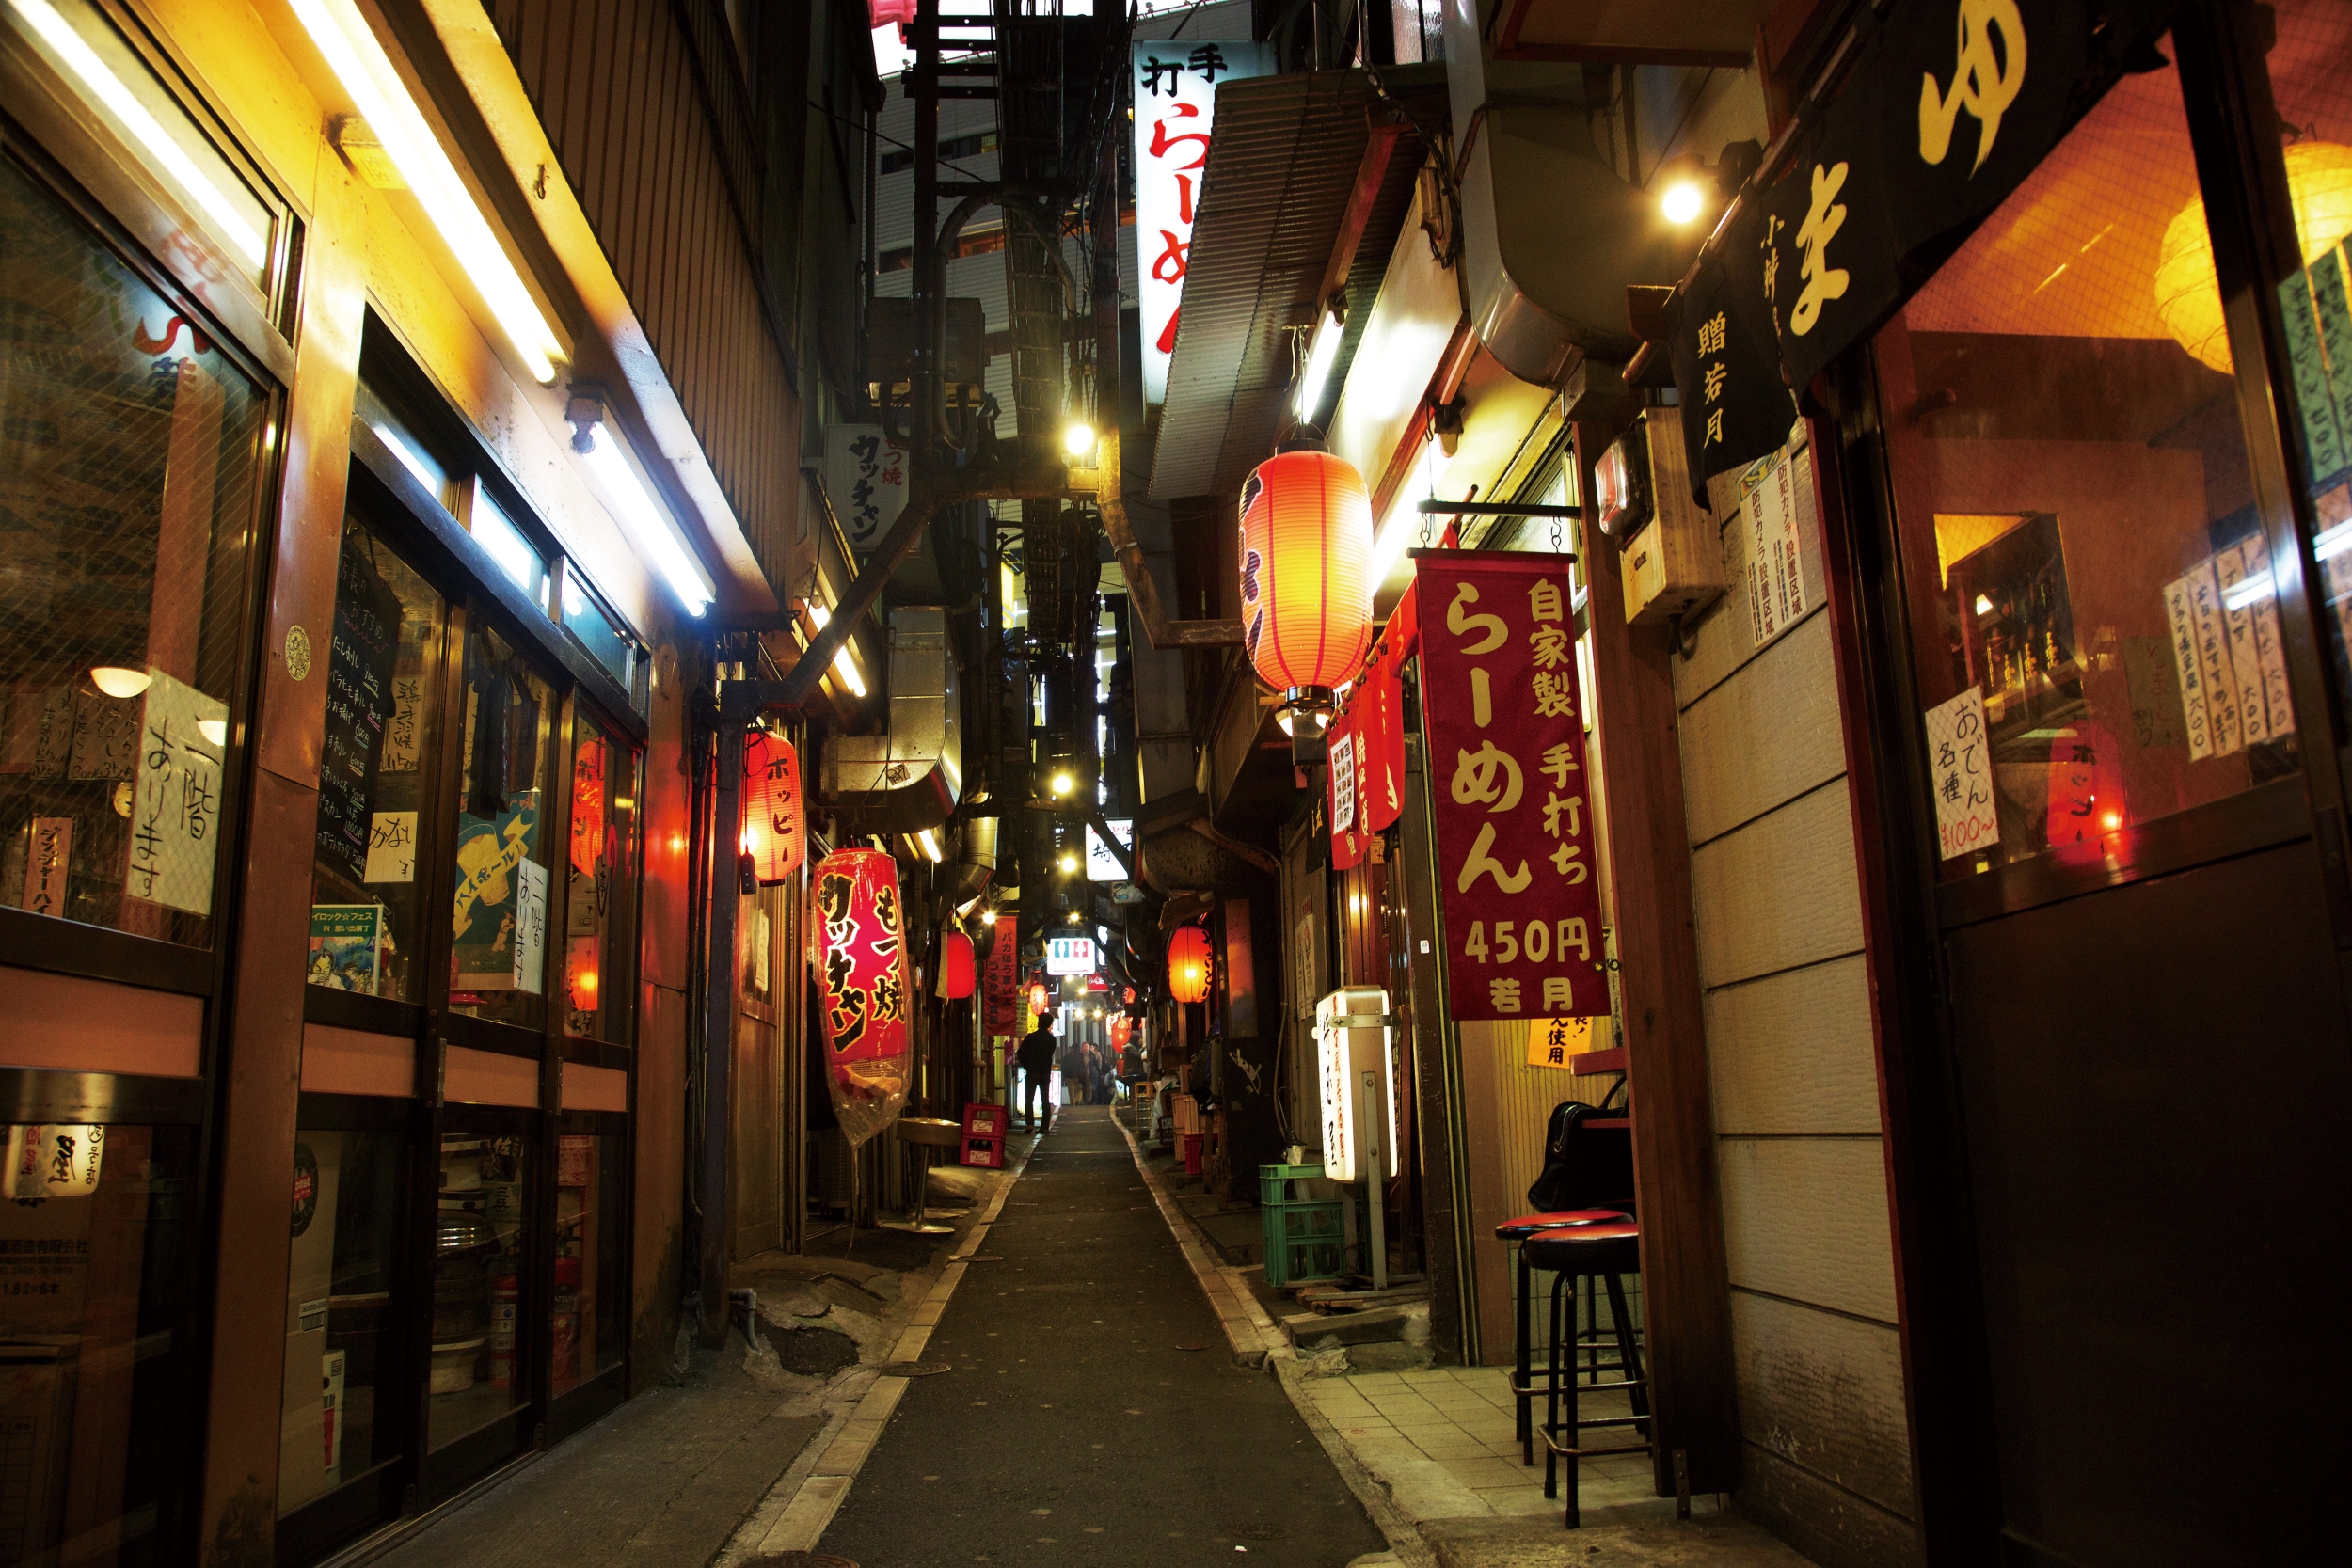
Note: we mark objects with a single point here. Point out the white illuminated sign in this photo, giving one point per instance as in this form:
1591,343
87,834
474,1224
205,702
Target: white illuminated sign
1175,83
1101,866
1353,1038
1069,955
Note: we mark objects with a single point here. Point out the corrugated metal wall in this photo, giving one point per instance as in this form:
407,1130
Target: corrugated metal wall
647,109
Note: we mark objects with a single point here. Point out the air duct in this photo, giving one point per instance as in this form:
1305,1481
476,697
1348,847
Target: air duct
909,777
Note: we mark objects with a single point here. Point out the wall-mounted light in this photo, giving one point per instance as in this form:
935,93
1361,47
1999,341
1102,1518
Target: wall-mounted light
1682,200
1078,438
843,664
646,520
1068,863
1062,783
1321,353
928,842
351,51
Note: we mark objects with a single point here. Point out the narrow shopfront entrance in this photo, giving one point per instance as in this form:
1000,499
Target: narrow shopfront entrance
459,1291
2111,819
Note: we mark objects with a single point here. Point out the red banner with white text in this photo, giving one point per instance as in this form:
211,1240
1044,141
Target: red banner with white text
1516,849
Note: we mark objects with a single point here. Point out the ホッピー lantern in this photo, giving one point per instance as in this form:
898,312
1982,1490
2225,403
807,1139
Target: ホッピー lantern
858,940
772,834
958,974
1306,574
1188,964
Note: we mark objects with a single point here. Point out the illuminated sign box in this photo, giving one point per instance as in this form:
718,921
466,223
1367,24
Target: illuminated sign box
1353,1038
1069,955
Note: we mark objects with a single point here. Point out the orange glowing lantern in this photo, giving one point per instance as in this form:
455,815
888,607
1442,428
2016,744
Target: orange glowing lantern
772,834
1122,1030
1040,1001
1188,964
1306,570
857,930
959,972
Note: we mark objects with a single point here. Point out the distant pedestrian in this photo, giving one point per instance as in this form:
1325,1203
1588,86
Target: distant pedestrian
1035,1057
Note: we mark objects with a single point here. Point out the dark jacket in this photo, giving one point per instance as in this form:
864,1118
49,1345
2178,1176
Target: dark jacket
1034,1055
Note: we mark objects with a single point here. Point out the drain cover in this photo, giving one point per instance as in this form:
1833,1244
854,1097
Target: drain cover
912,1369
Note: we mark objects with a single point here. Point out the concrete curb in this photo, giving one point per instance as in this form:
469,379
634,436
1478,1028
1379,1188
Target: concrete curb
793,1517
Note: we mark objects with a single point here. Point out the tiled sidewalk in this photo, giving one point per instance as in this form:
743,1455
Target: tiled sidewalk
1440,1438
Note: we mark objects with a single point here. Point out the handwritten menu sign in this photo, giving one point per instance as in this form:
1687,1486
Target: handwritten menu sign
360,670
1960,764
48,857
176,803
1775,554
1522,914
2224,618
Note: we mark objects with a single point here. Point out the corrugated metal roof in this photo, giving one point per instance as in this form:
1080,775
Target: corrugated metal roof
1273,194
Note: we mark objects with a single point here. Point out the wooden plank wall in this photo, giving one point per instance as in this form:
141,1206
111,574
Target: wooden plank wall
650,124
1798,1136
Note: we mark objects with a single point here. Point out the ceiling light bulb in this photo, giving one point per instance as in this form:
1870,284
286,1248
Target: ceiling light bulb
116,681
1078,440
1063,784
1070,863
988,917
1683,201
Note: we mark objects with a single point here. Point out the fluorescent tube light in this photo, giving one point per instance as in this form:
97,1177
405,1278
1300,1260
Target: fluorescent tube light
109,90
2246,591
2333,543
647,521
408,460
843,664
1320,354
358,62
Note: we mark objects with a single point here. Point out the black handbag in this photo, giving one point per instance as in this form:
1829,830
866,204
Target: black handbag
1584,1167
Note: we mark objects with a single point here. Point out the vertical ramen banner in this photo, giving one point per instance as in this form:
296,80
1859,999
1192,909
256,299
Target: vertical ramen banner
1516,852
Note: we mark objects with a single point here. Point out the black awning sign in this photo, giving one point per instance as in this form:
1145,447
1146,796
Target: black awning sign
1735,406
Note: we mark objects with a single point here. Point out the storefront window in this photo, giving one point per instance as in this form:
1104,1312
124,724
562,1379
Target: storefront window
498,958
341,1415
588,1320
129,449
367,906
2310,78
93,1240
478,1269
601,898
2087,582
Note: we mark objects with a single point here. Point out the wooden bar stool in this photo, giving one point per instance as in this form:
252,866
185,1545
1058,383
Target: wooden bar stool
1520,1230
1608,1252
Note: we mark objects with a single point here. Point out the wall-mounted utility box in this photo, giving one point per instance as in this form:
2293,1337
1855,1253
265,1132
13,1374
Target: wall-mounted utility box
1675,563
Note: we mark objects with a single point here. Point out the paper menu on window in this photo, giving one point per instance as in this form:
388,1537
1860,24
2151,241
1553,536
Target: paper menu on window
2269,654
1960,764
176,803
2189,667
2237,621
1776,556
531,925
48,861
392,847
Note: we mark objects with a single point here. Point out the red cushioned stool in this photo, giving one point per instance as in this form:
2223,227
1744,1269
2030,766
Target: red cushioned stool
1570,1253
1520,1230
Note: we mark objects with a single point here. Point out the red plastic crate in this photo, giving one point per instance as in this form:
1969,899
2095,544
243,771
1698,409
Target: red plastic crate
983,1136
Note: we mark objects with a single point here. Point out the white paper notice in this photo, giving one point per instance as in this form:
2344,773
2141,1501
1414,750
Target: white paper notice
1959,765
1342,760
2212,657
175,814
2229,570
392,848
48,857
401,737
1776,563
531,925
2270,658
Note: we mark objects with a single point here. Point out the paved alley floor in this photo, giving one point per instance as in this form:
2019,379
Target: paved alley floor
1095,1413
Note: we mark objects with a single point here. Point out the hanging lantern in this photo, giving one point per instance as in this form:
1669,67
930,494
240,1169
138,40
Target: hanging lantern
1306,576
858,940
1122,1030
1188,964
772,834
2189,291
959,972
1041,1001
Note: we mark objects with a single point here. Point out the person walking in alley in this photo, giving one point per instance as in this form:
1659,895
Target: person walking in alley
1035,1057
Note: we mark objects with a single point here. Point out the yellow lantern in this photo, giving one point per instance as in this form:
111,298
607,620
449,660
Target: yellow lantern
2188,294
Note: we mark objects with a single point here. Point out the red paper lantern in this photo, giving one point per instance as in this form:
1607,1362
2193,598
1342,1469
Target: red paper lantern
1188,964
1040,999
1306,570
959,972
772,832
857,929
1122,1030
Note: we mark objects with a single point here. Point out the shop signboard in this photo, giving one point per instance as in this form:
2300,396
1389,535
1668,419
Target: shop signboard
1103,865
866,479
1352,1041
1175,102
856,927
1516,852
1069,955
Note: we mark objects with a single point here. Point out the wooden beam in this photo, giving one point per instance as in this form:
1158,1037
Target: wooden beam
1371,174
1685,1285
